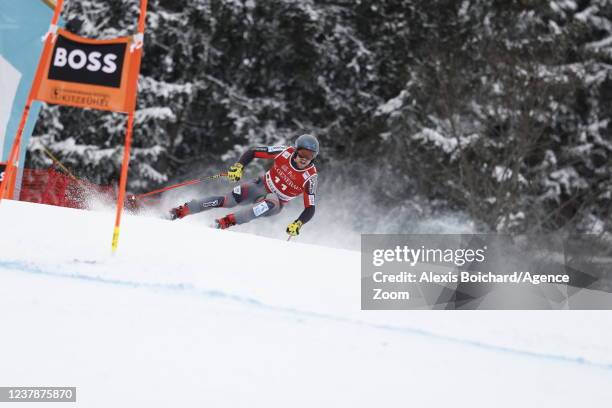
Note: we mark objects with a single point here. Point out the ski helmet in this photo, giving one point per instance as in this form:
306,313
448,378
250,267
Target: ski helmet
308,142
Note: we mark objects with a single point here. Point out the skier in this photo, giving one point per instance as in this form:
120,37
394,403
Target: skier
292,174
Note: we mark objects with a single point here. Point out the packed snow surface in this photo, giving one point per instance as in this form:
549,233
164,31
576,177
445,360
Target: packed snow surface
187,316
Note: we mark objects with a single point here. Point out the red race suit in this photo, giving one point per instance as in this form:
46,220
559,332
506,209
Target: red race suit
284,179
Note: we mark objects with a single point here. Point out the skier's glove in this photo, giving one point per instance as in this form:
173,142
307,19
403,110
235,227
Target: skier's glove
235,172
293,229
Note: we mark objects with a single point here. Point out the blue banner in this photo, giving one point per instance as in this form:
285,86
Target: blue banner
22,25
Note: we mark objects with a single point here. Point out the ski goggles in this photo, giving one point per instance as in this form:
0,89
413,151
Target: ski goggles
305,154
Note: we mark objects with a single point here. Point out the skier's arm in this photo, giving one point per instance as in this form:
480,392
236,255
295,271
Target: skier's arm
310,190
260,152
307,214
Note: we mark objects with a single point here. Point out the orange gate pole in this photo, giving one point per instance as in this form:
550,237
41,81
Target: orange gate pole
133,84
123,180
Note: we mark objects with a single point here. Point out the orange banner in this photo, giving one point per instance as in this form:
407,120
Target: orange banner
87,73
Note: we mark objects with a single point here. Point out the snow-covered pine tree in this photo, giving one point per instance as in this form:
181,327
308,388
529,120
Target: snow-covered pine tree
497,109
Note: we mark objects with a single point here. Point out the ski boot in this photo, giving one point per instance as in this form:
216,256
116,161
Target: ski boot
225,222
179,212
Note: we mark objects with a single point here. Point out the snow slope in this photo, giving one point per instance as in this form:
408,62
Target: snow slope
188,316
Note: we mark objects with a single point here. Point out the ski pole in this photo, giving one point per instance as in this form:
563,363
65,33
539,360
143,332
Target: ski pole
185,183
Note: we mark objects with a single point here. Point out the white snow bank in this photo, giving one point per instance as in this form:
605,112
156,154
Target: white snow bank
189,316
